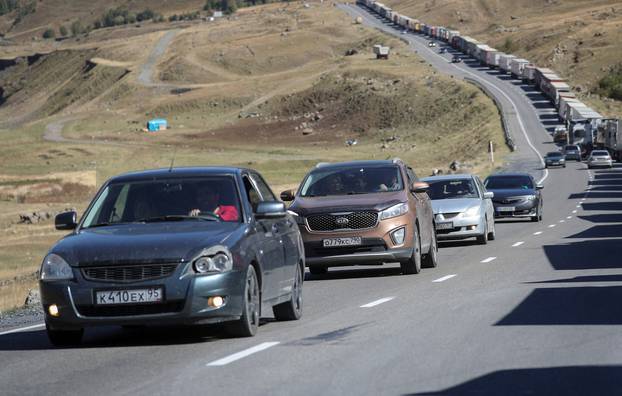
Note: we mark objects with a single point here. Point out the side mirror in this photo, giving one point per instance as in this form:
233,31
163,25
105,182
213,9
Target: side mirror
419,187
270,210
66,221
489,195
539,186
287,195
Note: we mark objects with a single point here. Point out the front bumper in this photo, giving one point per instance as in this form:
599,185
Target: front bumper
595,164
367,258
526,208
555,163
185,301
463,227
573,156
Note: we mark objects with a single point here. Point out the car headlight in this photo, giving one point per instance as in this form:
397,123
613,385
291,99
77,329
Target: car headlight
216,259
394,211
300,220
54,267
472,211
530,197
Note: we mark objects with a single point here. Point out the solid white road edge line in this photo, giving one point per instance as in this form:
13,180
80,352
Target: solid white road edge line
488,260
537,233
22,329
444,278
242,354
518,244
377,302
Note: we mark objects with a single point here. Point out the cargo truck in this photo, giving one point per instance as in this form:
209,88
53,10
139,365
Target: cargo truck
517,65
505,61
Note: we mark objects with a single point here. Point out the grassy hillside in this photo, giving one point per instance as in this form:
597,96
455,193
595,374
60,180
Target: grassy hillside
270,88
581,40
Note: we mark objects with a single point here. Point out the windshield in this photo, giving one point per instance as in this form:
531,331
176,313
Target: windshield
509,182
554,154
354,180
209,199
449,189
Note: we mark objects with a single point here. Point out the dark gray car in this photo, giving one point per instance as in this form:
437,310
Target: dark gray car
515,195
186,245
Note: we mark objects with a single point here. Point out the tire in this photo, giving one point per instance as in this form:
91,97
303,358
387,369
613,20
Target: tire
292,309
413,264
537,217
492,235
64,338
247,325
483,239
430,260
317,270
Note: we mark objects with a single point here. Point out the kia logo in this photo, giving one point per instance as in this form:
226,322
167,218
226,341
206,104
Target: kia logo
342,221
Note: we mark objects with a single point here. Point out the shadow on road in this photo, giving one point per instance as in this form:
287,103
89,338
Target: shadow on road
351,273
565,380
584,255
586,305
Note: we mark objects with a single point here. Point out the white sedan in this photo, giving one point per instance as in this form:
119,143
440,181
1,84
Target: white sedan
599,158
462,207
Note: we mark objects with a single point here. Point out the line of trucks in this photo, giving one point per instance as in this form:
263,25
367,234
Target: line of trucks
584,126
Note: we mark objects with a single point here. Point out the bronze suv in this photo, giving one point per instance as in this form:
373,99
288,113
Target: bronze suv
364,213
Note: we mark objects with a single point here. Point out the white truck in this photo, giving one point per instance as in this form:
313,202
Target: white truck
505,61
517,65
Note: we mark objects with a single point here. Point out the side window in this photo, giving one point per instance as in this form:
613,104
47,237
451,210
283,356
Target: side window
253,195
480,185
265,191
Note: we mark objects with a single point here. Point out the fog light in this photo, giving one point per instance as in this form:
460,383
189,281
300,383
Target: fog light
215,301
53,310
472,227
398,236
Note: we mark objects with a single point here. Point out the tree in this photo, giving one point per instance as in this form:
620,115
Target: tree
76,28
49,33
145,15
62,30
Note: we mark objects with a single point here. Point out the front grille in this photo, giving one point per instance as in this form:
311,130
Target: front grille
346,221
131,273
129,310
512,200
446,216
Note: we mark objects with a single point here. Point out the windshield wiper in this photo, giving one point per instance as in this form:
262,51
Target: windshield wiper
206,217
104,225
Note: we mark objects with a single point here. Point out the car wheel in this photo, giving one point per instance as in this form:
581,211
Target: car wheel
483,239
317,270
63,338
247,325
537,217
413,264
563,166
430,260
292,309
492,234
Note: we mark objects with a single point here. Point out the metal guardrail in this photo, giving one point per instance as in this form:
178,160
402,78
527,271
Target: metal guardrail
505,114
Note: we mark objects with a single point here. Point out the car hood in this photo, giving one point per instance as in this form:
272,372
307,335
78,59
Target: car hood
344,203
515,192
144,243
454,205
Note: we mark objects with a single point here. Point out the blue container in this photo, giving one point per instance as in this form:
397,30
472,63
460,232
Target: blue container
157,124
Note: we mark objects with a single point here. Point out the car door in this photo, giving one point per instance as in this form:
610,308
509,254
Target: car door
270,251
288,236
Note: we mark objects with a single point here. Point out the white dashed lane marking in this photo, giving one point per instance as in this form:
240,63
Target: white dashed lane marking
242,354
444,278
488,260
552,225
537,233
377,302
518,244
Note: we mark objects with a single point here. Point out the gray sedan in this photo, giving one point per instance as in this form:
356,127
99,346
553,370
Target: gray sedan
599,158
462,207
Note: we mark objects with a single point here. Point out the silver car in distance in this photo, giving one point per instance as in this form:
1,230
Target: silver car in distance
462,207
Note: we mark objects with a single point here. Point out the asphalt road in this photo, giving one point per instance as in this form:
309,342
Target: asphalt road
535,312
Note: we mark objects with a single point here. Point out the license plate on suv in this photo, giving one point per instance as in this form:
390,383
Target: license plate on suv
129,296
337,242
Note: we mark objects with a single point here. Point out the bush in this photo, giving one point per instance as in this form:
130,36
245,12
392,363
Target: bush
611,84
76,28
49,34
145,15
63,31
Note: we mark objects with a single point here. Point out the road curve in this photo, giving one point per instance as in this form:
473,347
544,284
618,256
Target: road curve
534,312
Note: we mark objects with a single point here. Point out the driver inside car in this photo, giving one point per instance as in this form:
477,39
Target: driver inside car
209,200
